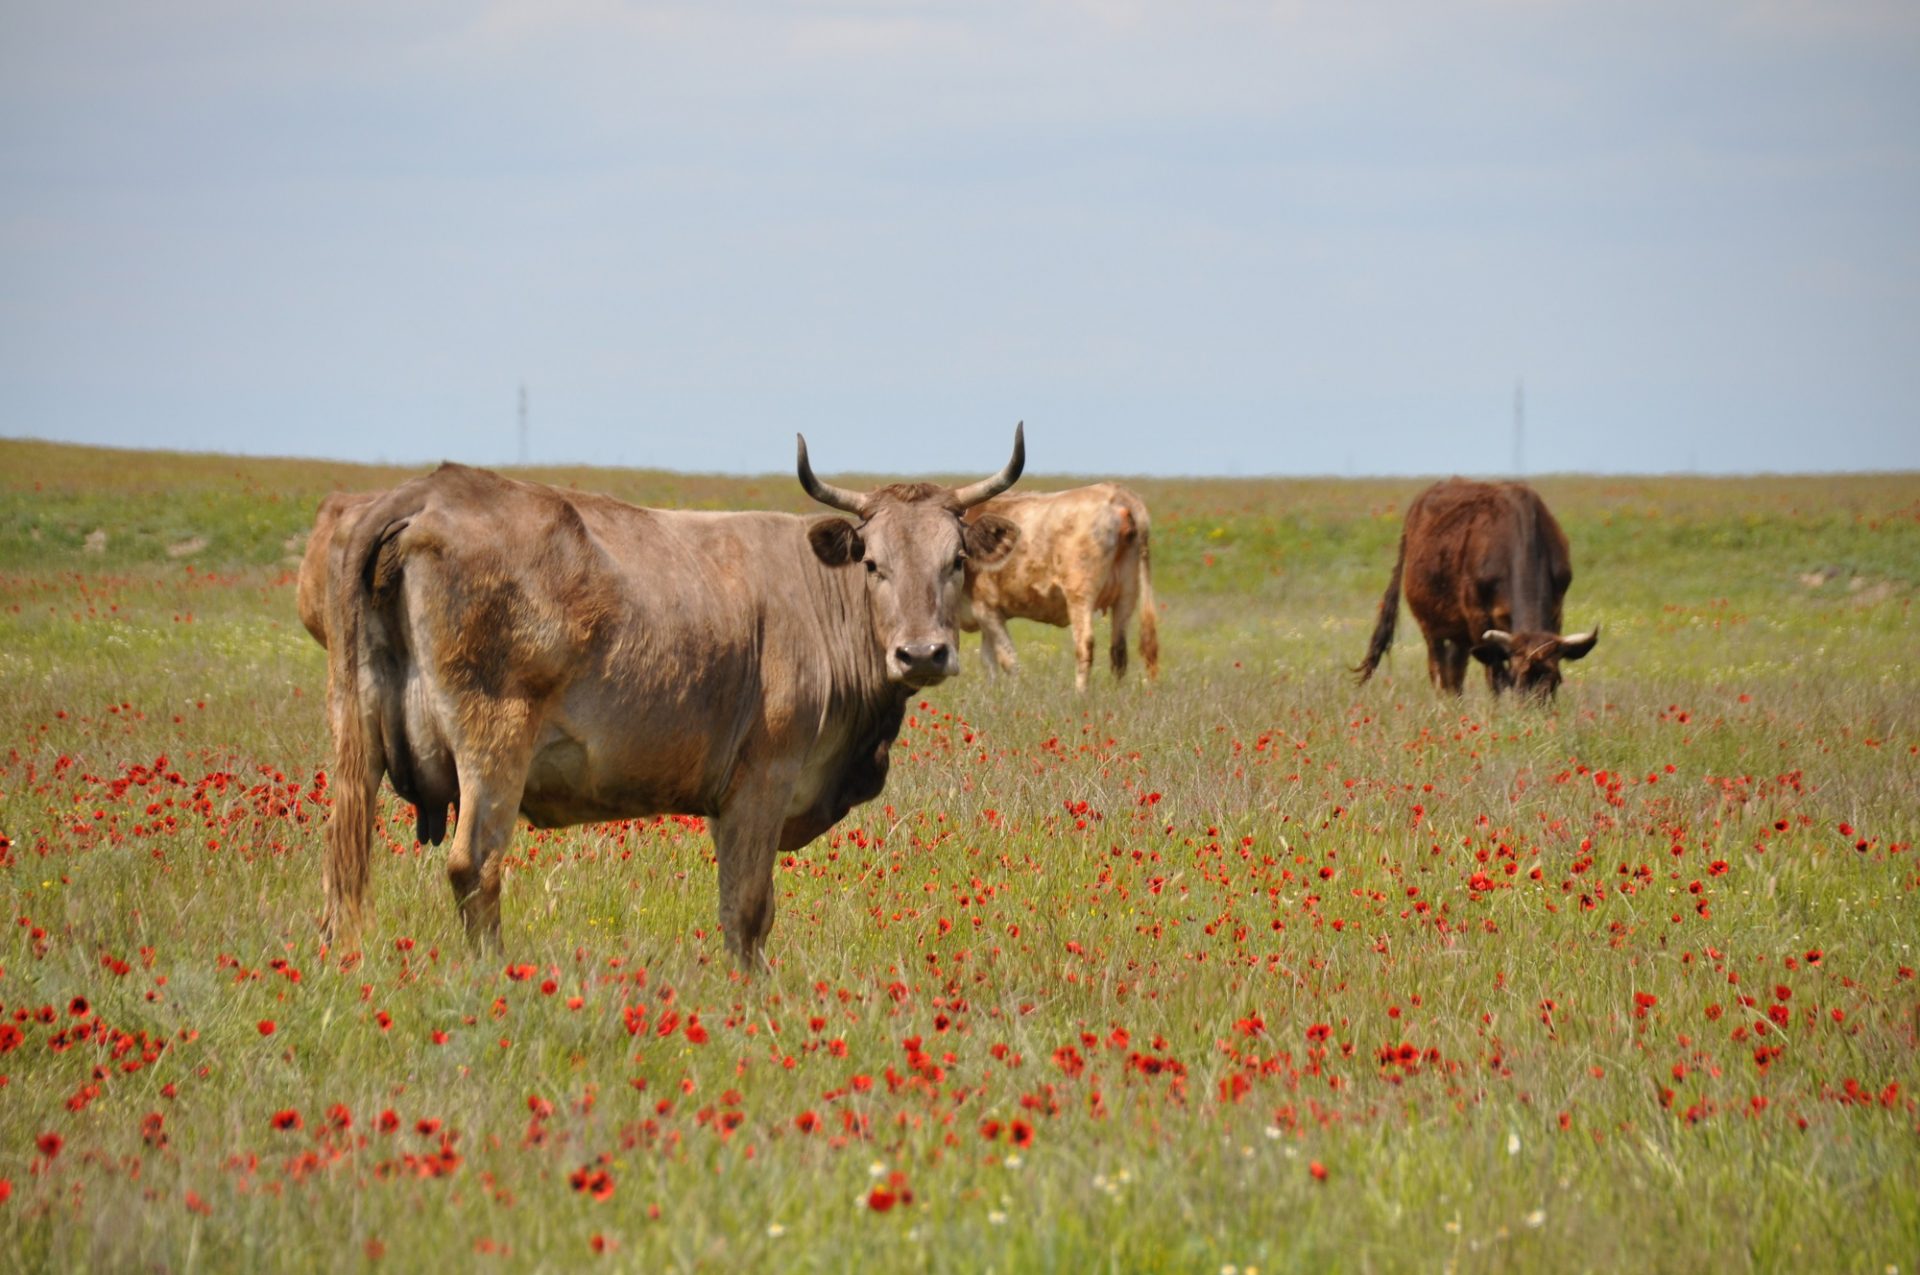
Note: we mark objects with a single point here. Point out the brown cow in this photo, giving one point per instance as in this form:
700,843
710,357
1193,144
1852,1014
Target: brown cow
1080,552
512,649
1486,568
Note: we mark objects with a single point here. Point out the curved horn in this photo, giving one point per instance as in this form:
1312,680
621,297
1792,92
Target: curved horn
1576,645
854,502
1499,638
987,488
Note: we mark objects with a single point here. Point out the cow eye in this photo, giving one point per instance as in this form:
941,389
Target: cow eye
873,568
959,561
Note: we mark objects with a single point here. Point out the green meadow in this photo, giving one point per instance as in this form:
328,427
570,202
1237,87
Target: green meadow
1244,969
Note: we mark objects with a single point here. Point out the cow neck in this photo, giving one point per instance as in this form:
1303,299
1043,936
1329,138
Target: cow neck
856,668
1527,569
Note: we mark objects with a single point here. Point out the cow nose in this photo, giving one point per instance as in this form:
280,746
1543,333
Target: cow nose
921,655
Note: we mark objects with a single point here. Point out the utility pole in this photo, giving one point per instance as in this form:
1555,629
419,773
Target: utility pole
1520,428
523,422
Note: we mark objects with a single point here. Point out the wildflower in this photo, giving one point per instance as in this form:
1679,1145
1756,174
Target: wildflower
50,1144
595,1182
287,1118
268,1027
1318,1170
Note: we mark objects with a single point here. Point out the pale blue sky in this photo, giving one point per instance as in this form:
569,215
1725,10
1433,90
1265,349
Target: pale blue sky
1174,238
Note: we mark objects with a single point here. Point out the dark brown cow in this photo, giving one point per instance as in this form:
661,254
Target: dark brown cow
1080,552
511,650
1486,568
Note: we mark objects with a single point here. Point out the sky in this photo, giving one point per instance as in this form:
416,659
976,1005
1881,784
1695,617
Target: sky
1194,238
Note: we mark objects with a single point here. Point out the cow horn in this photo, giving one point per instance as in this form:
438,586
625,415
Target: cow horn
854,502
1499,638
1578,644
987,488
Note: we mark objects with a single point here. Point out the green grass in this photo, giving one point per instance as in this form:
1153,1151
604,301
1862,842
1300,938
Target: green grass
1120,920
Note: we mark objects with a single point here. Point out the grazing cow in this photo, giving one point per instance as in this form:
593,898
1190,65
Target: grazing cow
1486,568
1080,552
512,650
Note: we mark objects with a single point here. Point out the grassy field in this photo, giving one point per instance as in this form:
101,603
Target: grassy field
1246,970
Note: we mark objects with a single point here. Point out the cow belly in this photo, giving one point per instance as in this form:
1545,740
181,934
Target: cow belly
568,784
1042,605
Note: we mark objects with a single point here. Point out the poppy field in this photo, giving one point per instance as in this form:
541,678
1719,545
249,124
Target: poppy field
1244,970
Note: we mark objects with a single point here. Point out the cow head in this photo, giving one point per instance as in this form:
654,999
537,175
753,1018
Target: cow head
914,547
1530,662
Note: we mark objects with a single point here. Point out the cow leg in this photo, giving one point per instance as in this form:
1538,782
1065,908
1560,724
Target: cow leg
1122,616
996,647
1126,597
490,789
746,836
1080,617
1446,664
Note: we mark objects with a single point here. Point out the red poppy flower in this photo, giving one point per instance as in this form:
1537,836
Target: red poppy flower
267,1027
287,1119
50,1144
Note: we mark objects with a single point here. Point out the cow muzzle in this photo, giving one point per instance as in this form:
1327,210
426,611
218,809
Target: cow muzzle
925,663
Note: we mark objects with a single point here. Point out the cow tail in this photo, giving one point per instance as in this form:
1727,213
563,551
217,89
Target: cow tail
357,754
1389,614
1149,613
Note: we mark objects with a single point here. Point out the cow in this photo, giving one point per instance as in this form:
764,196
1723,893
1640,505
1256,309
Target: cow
1080,552
1486,568
513,650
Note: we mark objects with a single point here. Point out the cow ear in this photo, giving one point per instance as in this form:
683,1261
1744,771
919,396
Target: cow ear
1491,654
835,541
1572,648
990,538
